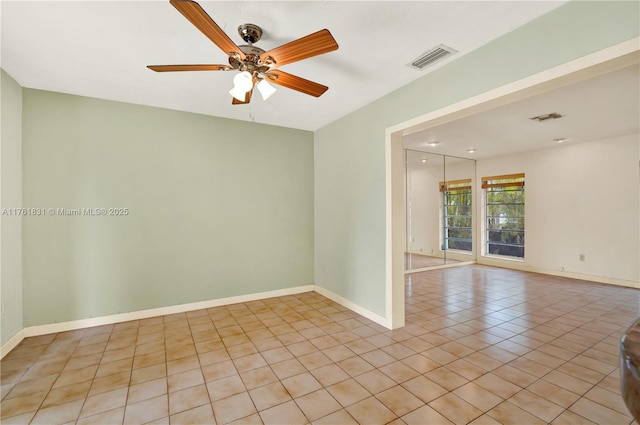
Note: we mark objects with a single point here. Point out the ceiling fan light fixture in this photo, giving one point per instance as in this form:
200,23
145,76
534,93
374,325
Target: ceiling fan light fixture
254,63
238,94
243,82
265,89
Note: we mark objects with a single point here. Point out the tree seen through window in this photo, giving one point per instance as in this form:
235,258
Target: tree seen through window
505,215
457,217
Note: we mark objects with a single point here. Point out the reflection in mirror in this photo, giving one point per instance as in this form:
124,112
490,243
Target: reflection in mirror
423,172
439,210
458,209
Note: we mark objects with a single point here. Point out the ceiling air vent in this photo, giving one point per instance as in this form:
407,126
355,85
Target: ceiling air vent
432,56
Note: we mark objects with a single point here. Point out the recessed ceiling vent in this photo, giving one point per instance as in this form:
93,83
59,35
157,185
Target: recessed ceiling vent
551,116
432,56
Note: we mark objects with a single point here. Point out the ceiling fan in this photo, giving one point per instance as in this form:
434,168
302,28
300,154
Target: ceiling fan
256,66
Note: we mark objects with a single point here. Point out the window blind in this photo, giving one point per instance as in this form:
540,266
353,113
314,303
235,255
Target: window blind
450,185
506,180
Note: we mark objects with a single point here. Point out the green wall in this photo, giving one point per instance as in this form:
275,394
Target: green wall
350,152
10,197
217,207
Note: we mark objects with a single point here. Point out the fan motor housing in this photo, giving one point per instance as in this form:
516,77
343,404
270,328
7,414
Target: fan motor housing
251,62
251,50
250,33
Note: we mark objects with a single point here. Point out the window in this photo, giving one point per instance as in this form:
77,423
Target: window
457,212
505,215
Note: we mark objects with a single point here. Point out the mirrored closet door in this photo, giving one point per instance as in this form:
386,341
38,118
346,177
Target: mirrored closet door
440,210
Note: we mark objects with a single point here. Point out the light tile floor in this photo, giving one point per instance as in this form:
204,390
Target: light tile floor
482,345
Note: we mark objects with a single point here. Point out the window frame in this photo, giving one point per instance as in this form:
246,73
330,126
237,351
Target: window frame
502,184
447,187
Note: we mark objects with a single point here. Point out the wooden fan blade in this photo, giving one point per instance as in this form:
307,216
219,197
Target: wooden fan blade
296,83
201,20
175,68
312,45
247,99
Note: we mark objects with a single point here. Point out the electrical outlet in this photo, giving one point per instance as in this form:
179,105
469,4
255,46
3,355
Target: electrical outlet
581,257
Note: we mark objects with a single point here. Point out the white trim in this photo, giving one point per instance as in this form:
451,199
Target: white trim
382,321
503,258
441,266
161,311
588,66
11,343
182,308
516,265
394,231
388,166
608,59
437,253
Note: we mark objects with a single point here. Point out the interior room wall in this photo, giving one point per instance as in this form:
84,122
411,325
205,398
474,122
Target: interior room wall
215,207
10,198
579,199
349,154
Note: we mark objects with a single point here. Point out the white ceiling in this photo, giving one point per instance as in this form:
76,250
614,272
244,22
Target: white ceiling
101,49
602,107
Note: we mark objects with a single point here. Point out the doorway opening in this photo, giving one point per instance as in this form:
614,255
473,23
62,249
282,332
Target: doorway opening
613,58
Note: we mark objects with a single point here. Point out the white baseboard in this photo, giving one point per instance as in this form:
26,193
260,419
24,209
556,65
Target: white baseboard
382,321
12,343
435,254
441,266
183,308
517,265
161,311
144,314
